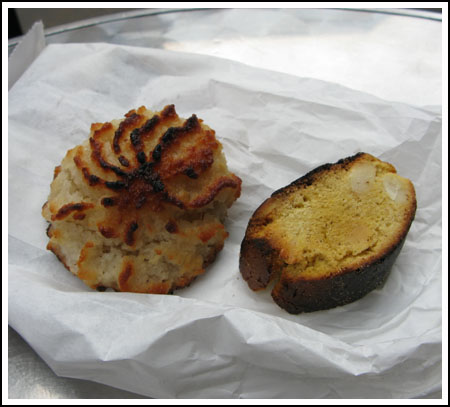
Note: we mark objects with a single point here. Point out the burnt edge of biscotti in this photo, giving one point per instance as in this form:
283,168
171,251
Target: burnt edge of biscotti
256,263
309,177
302,296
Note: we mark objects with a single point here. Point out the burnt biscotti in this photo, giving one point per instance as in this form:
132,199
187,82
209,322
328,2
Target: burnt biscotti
140,205
330,237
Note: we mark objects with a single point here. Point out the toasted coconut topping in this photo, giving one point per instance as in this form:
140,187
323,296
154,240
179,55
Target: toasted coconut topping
71,207
125,275
108,201
56,171
139,135
171,227
129,122
98,157
124,161
149,157
106,231
214,189
92,179
129,237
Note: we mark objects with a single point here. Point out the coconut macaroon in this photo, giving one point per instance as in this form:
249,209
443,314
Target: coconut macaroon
331,236
140,206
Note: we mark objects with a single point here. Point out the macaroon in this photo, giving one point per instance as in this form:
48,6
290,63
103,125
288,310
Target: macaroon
140,205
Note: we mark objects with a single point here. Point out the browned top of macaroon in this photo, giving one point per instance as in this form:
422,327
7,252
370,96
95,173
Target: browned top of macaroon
143,164
157,159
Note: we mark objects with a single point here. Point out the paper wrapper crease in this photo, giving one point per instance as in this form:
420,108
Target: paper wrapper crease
217,338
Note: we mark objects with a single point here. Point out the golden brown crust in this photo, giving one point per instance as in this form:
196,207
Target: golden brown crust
146,176
56,171
308,295
124,276
67,209
57,253
266,254
213,190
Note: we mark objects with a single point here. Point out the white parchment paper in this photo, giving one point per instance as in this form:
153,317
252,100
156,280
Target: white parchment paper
217,338
28,49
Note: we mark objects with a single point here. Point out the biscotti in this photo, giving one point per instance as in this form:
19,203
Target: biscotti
140,205
330,237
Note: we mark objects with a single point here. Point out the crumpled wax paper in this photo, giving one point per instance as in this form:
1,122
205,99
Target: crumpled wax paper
217,338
